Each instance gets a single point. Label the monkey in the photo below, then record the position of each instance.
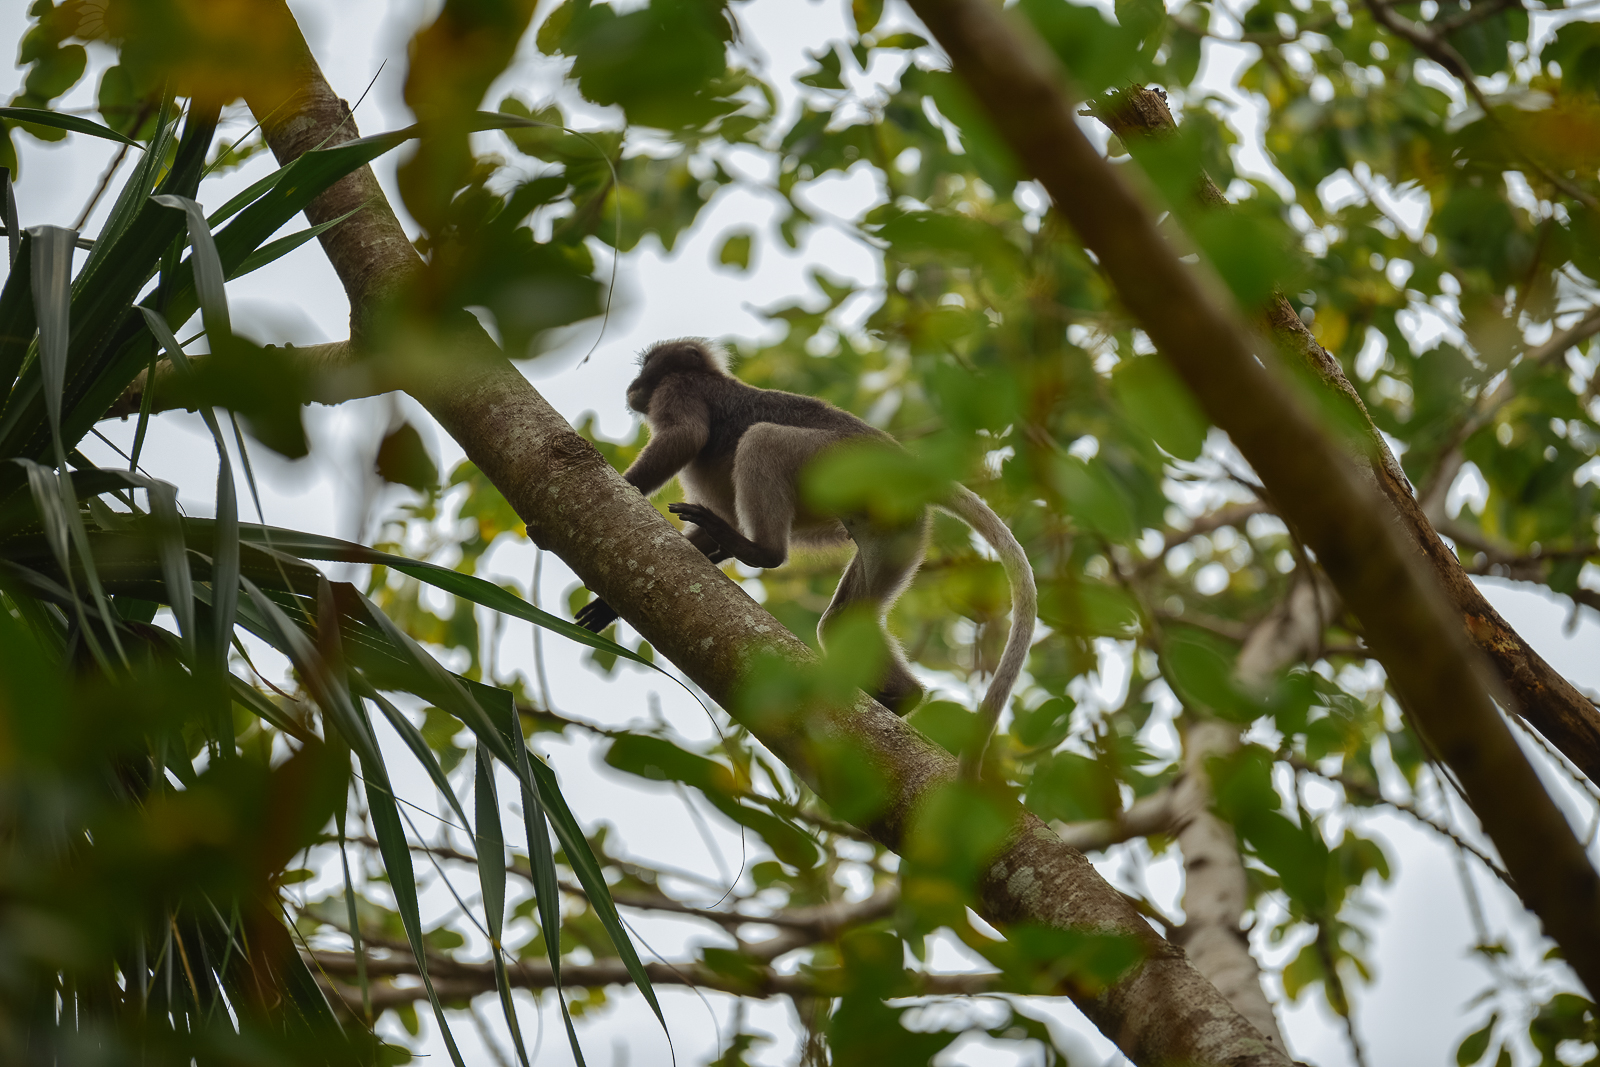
(739, 451)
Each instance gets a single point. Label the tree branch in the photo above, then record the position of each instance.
(1439, 681)
(1550, 703)
(456, 981)
(1451, 456)
(1442, 52)
(333, 368)
(1160, 1012)
(1232, 515)
(1215, 887)
(1145, 816)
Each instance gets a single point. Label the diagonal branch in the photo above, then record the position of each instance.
(1550, 703)
(1439, 680)
(333, 368)
(455, 980)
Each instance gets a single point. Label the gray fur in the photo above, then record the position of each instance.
(738, 452)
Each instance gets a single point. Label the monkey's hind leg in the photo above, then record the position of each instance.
(766, 476)
(885, 562)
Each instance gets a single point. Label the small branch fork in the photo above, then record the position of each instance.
(1431, 42)
(798, 928)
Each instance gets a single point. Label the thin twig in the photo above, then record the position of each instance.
(105, 183)
(1445, 54)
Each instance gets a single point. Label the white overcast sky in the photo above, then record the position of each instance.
(1413, 1014)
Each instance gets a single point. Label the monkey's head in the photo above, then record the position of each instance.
(686, 355)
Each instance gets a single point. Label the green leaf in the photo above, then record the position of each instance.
(1476, 1044)
(1098, 54)
(582, 860)
(51, 268)
(403, 459)
(276, 250)
(491, 850)
(331, 696)
(52, 304)
(8, 209)
(174, 561)
(1302, 972)
(352, 916)
(787, 841)
(659, 760)
(1046, 726)
(1157, 402)
(826, 76)
(1200, 668)
(208, 273)
(225, 543)
(417, 744)
(947, 724)
(135, 192)
(1577, 48)
(1093, 498)
(246, 694)
(1089, 609)
(387, 828)
(659, 63)
(1142, 18)
(909, 42)
(1249, 250)
(316, 546)
(101, 360)
(541, 858)
(17, 322)
(735, 251)
(866, 14)
(1072, 788)
(71, 123)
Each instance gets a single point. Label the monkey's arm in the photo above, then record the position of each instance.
(679, 428)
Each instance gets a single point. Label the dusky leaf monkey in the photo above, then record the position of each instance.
(739, 451)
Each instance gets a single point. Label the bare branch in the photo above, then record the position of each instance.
(457, 981)
(336, 373)
(1145, 816)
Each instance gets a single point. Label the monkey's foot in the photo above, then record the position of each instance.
(595, 616)
(733, 542)
(900, 695)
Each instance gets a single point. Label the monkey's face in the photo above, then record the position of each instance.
(686, 356)
(639, 396)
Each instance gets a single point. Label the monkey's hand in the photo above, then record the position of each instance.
(711, 525)
(729, 540)
(596, 615)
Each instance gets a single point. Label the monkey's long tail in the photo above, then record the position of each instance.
(970, 508)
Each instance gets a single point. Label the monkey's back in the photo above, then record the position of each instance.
(735, 407)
